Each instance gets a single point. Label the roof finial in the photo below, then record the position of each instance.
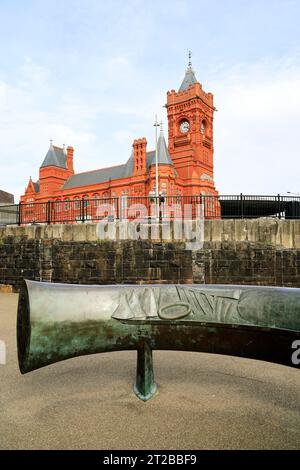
(51, 141)
(190, 59)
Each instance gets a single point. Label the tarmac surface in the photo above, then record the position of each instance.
(204, 401)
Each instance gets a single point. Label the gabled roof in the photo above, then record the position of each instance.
(95, 176)
(189, 79)
(120, 171)
(56, 156)
(103, 175)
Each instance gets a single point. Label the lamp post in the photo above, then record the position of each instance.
(156, 125)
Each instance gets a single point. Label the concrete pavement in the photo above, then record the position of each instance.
(204, 401)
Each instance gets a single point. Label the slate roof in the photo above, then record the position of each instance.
(163, 156)
(120, 171)
(189, 79)
(95, 176)
(6, 197)
(56, 156)
(36, 186)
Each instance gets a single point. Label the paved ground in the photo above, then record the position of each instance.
(204, 401)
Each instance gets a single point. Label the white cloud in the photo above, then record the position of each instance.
(122, 136)
(257, 128)
(118, 64)
(26, 125)
(256, 132)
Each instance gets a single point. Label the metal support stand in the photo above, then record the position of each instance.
(145, 386)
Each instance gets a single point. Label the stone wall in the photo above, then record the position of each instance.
(261, 251)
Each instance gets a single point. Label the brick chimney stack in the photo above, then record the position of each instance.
(70, 152)
(139, 156)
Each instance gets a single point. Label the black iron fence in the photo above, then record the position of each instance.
(147, 208)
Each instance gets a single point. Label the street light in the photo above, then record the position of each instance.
(156, 125)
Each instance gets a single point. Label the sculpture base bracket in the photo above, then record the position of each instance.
(145, 387)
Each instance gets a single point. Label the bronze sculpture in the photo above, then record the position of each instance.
(60, 321)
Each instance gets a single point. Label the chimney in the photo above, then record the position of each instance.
(139, 156)
(70, 152)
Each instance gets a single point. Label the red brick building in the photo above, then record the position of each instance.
(185, 165)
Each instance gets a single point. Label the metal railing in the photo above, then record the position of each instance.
(146, 208)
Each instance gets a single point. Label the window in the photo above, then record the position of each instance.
(124, 198)
(29, 202)
(66, 204)
(96, 200)
(105, 196)
(164, 188)
(203, 126)
(178, 195)
(77, 203)
(86, 201)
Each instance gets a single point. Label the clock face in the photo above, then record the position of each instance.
(184, 127)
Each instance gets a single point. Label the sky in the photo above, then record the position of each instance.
(93, 74)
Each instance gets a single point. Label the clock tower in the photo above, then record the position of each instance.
(190, 122)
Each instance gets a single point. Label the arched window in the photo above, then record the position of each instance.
(124, 198)
(114, 199)
(66, 204)
(86, 201)
(77, 202)
(96, 200)
(105, 196)
(203, 127)
(58, 204)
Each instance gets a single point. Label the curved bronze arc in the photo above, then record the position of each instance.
(60, 321)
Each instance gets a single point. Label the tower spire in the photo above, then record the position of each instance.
(161, 128)
(189, 78)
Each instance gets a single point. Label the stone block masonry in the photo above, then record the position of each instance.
(258, 251)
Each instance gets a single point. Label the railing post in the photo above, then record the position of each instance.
(116, 206)
(160, 215)
(48, 212)
(82, 210)
(279, 208)
(19, 214)
(242, 206)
